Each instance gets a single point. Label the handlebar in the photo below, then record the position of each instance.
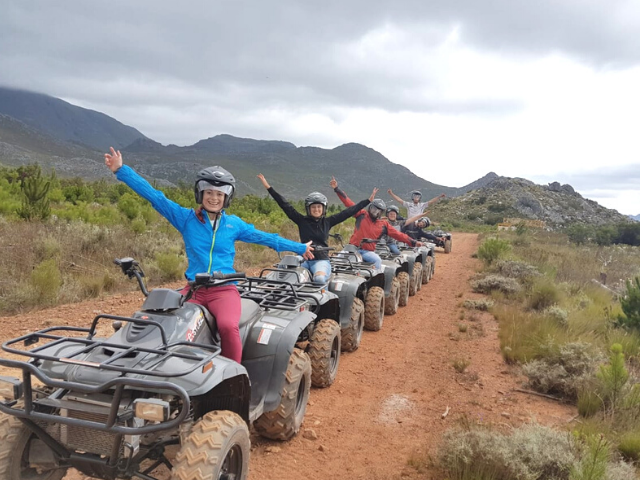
(215, 278)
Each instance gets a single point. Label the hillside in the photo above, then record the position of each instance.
(64, 121)
(555, 204)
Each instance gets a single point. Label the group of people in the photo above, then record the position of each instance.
(210, 228)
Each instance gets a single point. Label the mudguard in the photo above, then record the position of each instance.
(391, 269)
(266, 353)
(347, 288)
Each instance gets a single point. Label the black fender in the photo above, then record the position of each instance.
(391, 270)
(267, 349)
(347, 288)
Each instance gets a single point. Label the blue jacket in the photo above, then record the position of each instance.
(207, 251)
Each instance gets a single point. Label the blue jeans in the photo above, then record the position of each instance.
(393, 248)
(320, 270)
(371, 257)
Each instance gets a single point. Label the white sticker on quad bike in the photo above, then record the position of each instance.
(265, 335)
(337, 286)
(269, 325)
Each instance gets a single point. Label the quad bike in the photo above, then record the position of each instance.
(110, 406)
(446, 243)
(372, 287)
(425, 255)
(408, 273)
(324, 338)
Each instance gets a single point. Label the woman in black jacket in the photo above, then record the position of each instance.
(314, 226)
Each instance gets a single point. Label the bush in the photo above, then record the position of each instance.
(492, 249)
(543, 295)
(564, 371)
(47, 280)
(496, 282)
(558, 314)
(482, 304)
(170, 266)
(530, 452)
(629, 446)
(516, 269)
(630, 304)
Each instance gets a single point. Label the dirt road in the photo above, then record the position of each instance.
(386, 405)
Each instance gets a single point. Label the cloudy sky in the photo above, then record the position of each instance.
(546, 90)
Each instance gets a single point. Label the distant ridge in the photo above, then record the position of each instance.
(66, 122)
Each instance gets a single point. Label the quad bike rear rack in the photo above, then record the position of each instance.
(279, 294)
(342, 264)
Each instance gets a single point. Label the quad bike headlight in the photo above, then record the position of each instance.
(10, 388)
(152, 409)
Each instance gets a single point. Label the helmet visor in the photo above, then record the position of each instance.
(221, 187)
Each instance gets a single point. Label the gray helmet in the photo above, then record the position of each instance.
(216, 178)
(426, 221)
(378, 204)
(416, 192)
(393, 208)
(315, 197)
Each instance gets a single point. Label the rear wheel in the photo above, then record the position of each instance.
(217, 447)
(447, 245)
(285, 421)
(392, 301)
(374, 309)
(352, 335)
(16, 441)
(404, 279)
(416, 279)
(324, 352)
(427, 270)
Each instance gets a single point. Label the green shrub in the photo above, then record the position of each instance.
(630, 304)
(138, 226)
(543, 295)
(558, 314)
(629, 446)
(129, 205)
(613, 377)
(492, 249)
(47, 280)
(589, 402)
(495, 282)
(594, 461)
(170, 266)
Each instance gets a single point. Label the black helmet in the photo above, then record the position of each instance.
(393, 208)
(219, 179)
(416, 193)
(378, 204)
(315, 197)
(426, 221)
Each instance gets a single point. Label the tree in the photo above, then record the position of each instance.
(35, 200)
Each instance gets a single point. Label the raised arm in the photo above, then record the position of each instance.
(401, 237)
(176, 214)
(395, 197)
(435, 199)
(286, 207)
(347, 212)
(409, 221)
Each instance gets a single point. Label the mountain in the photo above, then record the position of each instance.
(66, 122)
(635, 217)
(555, 204)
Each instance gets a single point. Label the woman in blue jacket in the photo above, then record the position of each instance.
(209, 235)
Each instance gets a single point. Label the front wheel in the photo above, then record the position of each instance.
(352, 335)
(217, 447)
(324, 352)
(392, 301)
(15, 444)
(285, 421)
(447, 245)
(374, 309)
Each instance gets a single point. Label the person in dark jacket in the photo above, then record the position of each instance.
(414, 228)
(314, 226)
(209, 236)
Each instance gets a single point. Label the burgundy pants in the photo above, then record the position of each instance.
(224, 304)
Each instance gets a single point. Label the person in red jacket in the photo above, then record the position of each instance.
(369, 224)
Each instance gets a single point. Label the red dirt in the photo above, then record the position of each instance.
(386, 405)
